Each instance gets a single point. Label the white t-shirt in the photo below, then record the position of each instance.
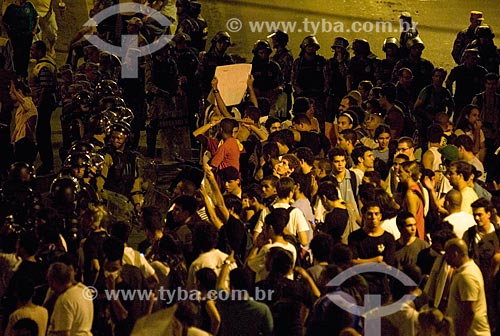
(390, 226)
(296, 224)
(134, 258)
(37, 313)
(468, 197)
(73, 312)
(460, 221)
(258, 264)
(213, 259)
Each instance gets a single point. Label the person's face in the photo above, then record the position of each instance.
(232, 186)
(275, 127)
(473, 116)
(344, 105)
(267, 189)
(263, 55)
(344, 123)
(451, 256)
(368, 159)
(372, 121)
(78, 173)
(338, 164)
(438, 78)
(235, 132)
(179, 215)
(406, 79)
(118, 139)
(373, 216)
(275, 42)
(311, 49)
(310, 112)
(34, 52)
(342, 142)
(383, 140)
(491, 86)
(391, 50)
(452, 175)
(221, 46)
(282, 168)
(470, 60)
(481, 216)
(403, 175)
(404, 148)
(245, 203)
(410, 228)
(416, 51)
(316, 171)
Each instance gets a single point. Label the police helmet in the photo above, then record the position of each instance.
(340, 42)
(308, 40)
(110, 101)
(390, 41)
(99, 123)
(96, 162)
(77, 160)
(416, 41)
(107, 87)
(64, 189)
(81, 147)
(222, 36)
(121, 127)
(280, 36)
(484, 31)
(120, 113)
(195, 7)
(83, 98)
(361, 46)
(261, 45)
(16, 171)
(181, 37)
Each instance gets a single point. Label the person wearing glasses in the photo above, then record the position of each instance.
(406, 147)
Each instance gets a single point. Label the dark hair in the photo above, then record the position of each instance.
(29, 242)
(233, 202)
(464, 141)
(306, 154)
(382, 128)
(304, 181)
(325, 165)
(366, 192)
(442, 236)
(366, 85)
(463, 168)
(435, 133)
(120, 230)
(41, 46)
(402, 217)
(24, 288)
(264, 106)
(239, 278)
(483, 203)
(301, 105)
(293, 161)
(281, 261)
(352, 116)
(205, 236)
(152, 219)
(253, 191)
(301, 119)
(270, 121)
(376, 92)
(253, 113)
(273, 179)
(463, 120)
(329, 190)
(113, 249)
(284, 137)
(439, 69)
(491, 76)
(371, 204)
(359, 152)
(350, 135)
(22, 86)
(389, 92)
(285, 187)
(207, 278)
(270, 149)
(321, 246)
(352, 100)
(342, 255)
(227, 125)
(386, 203)
(278, 219)
(187, 203)
(337, 151)
(26, 324)
(374, 177)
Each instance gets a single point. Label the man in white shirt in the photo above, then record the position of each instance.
(458, 174)
(460, 220)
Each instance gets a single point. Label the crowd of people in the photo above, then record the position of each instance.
(325, 164)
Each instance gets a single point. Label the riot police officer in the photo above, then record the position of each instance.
(308, 78)
(283, 56)
(214, 57)
(384, 68)
(120, 173)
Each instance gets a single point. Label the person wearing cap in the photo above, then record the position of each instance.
(468, 78)
(284, 57)
(308, 77)
(268, 78)
(211, 59)
(336, 76)
(466, 36)
(384, 68)
(120, 173)
(488, 52)
(192, 23)
(419, 66)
